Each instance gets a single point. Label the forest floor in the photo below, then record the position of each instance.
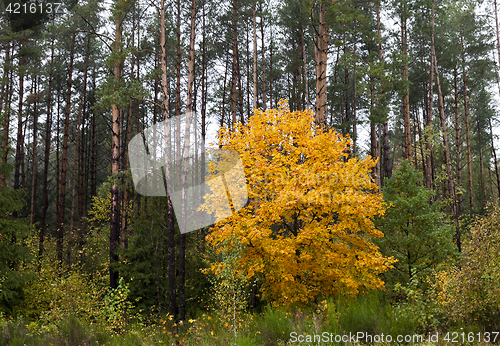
(365, 321)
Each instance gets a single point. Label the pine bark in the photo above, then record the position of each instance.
(76, 162)
(33, 160)
(385, 132)
(406, 92)
(304, 59)
(458, 147)
(20, 137)
(64, 167)
(321, 58)
(495, 158)
(254, 23)
(466, 117)
(448, 163)
(187, 135)
(45, 190)
(263, 51)
(172, 301)
(234, 66)
(428, 125)
(498, 83)
(5, 95)
(114, 235)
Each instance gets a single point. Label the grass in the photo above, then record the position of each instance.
(275, 326)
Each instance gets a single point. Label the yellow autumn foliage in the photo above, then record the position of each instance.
(307, 228)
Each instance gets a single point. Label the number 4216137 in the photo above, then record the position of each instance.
(48, 7)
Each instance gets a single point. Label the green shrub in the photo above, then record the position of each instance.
(417, 312)
(117, 310)
(51, 298)
(470, 292)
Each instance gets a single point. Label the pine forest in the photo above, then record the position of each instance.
(249, 172)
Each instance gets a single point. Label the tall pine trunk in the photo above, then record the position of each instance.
(172, 306)
(114, 234)
(387, 169)
(234, 66)
(466, 116)
(458, 143)
(5, 95)
(254, 23)
(187, 135)
(428, 125)
(45, 190)
(263, 50)
(20, 137)
(406, 92)
(64, 167)
(442, 116)
(321, 58)
(76, 162)
(33, 152)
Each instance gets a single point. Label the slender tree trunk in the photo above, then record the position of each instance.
(125, 199)
(493, 197)
(448, 161)
(304, 59)
(420, 137)
(346, 128)
(172, 306)
(93, 144)
(20, 139)
(428, 125)
(321, 59)
(64, 168)
(380, 103)
(81, 165)
(33, 167)
(498, 83)
(78, 133)
(373, 135)
(466, 116)
(406, 94)
(240, 89)
(223, 113)
(458, 145)
(114, 235)
(354, 126)
(495, 158)
(270, 68)
(254, 22)
(414, 146)
(58, 158)
(262, 37)
(482, 185)
(496, 30)
(385, 132)
(187, 135)
(6, 95)
(45, 190)
(373, 132)
(203, 103)
(234, 66)
(446, 144)
(247, 92)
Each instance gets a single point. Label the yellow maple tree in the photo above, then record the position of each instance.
(306, 230)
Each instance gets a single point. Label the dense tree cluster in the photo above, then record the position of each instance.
(407, 80)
